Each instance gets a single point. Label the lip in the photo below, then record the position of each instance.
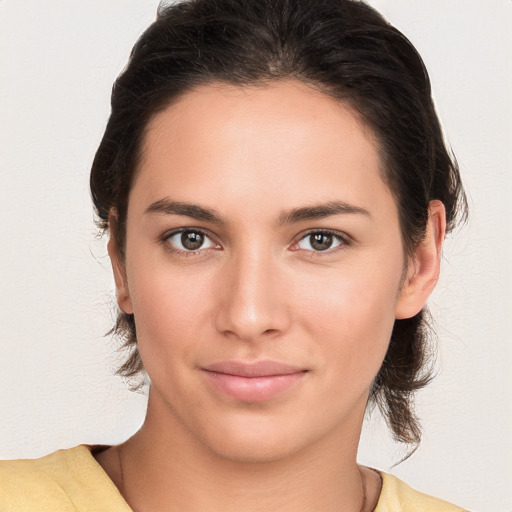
(253, 382)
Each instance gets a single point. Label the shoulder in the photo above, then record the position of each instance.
(66, 480)
(397, 496)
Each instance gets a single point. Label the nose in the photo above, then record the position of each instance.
(252, 302)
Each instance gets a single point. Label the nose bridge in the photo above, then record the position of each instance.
(251, 304)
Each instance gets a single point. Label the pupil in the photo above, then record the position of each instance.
(192, 240)
(321, 241)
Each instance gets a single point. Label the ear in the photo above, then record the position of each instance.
(118, 268)
(423, 266)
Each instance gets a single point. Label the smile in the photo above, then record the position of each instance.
(254, 382)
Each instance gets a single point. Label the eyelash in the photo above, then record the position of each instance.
(167, 237)
(342, 238)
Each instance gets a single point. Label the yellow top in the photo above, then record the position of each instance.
(72, 481)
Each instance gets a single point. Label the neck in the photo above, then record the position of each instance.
(164, 468)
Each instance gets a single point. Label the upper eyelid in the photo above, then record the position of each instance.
(164, 238)
(345, 242)
(341, 234)
(173, 247)
(175, 231)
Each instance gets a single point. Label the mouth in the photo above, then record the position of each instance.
(253, 382)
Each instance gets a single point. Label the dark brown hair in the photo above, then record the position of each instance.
(343, 48)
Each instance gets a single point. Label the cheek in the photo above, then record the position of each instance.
(352, 318)
(170, 311)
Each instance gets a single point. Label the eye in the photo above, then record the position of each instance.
(190, 240)
(320, 241)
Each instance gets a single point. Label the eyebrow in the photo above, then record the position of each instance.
(315, 212)
(320, 211)
(194, 211)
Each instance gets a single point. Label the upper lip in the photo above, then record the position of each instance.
(253, 369)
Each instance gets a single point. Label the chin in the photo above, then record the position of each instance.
(254, 448)
(254, 438)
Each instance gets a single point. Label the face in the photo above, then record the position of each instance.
(263, 265)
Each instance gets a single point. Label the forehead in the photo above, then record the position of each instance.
(237, 141)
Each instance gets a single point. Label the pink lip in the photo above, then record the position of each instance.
(253, 382)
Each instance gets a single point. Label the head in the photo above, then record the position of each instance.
(341, 49)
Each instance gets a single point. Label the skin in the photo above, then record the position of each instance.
(258, 290)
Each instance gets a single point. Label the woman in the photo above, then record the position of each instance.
(276, 190)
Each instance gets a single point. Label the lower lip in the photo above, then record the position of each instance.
(253, 389)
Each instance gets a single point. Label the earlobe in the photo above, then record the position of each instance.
(424, 265)
(119, 269)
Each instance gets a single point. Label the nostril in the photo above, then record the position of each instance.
(271, 331)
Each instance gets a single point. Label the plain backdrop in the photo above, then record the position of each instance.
(58, 60)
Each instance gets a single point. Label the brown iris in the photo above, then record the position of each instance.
(321, 241)
(192, 240)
